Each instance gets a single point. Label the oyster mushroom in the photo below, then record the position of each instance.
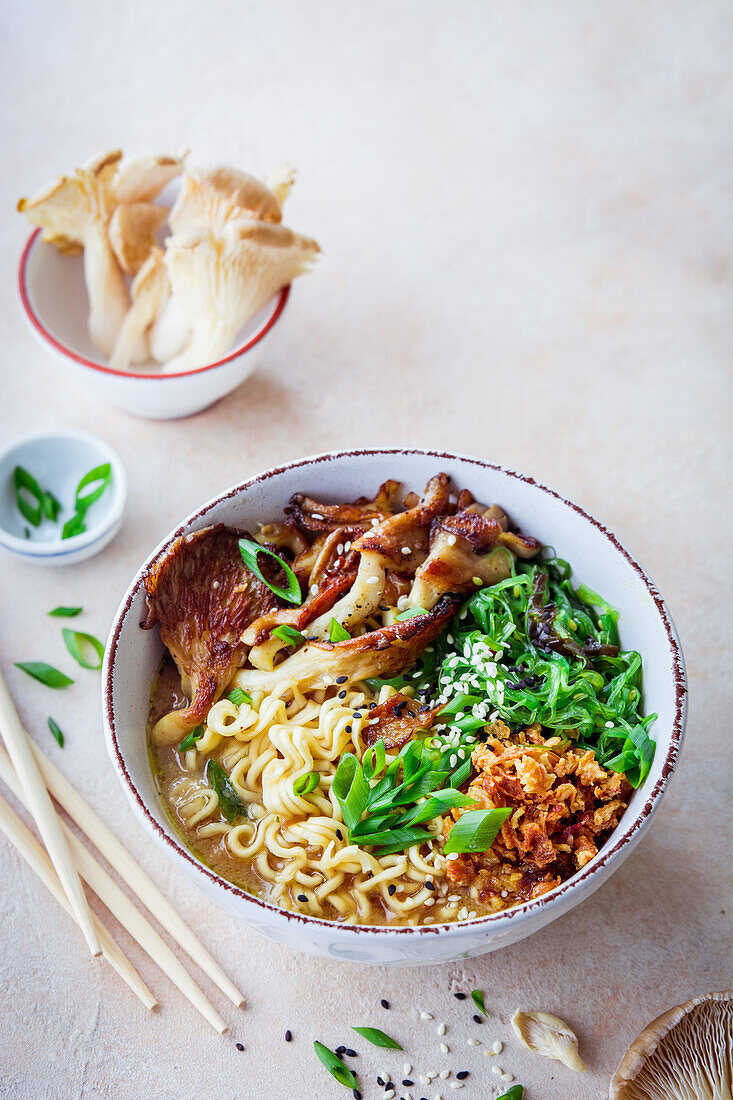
(132, 230)
(150, 290)
(73, 213)
(209, 197)
(222, 278)
(685, 1054)
(550, 1036)
(203, 596)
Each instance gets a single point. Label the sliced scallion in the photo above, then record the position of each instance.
(191, 738)
(81, 647)
(289, 635)
(66, 612)
(409, 614)
(47, 674)
(74, 526)
(306, 784)
(51, 506)
(230, 803)
(250, 551)
(475, 831)
(377, 1038)
(29, 496)
(238, 696)
(478, 999)
(56, 731)
(335, 1066)
(99, 478)
(337, 632)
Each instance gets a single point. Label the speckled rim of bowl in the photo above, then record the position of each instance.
(149, 376)
(607, 854)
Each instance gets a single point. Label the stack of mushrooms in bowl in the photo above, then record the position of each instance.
(139, 308)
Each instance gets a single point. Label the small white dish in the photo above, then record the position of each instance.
(58, 461)
(132, 656)
(54, 300)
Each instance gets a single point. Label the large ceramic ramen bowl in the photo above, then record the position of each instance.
(598, 560)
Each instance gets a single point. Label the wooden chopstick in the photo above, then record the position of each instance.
(46, 818)
(37, 859)
(126, 867)
(129, 917)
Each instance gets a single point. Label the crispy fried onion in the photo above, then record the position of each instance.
(564, 804)
(382, 653)
(202, 596)
(397, 720)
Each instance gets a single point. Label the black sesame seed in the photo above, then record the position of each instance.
(462, 1075)
(356, 1094)
(342, 695)
(380, 1081)
(341, 679)
(341, 1050)
(356, 714)
(372, 706)
(460, 996)
(429, 885)
(339, 834)
(407, 1082)
(288, 1036)
(383, 1003)
(348, 729)
(477, 1019)
(240, 1046)
(302, 897)
(391, 889)
(350, 1053)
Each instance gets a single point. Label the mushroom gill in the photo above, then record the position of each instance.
(685, 1054)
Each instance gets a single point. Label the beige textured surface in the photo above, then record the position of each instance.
(525, 218)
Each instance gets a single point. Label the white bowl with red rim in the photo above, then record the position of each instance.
(54, 300)
(598, 560)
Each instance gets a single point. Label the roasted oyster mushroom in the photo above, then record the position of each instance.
(384, 653)
(397, 720)
(203, 597)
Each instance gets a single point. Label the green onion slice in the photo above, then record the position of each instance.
(516, 1092)
(99, 478)
(337, 632)
(51, 506)
(409, 614)
(29, 495)
(288, 634)
(351, 788)
(377, 1038)
(56, 731)
(478, 999)
(66, 612)
(81, 647)
(306, 784)
(475, 830)
(237, 696)
(230, 803)
(74, 526)
(335, 1066)
(190, 739)
(47, 674)
(250, 551)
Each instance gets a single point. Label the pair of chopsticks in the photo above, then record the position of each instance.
(31, 776)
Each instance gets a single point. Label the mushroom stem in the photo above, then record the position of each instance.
(108, 297)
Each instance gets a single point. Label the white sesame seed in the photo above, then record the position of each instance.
(453, 760)
(388, 1094)
(445, 1048)
(451, 540)
(440, 1029)
(215, 584)
(445, 1074)
(424, 1079)
(609, 725)
(507, 1077)
(340, 549)
(425, 1016)
(347, 547)
(457, 1085)
(438, 1097)
(407, 1068)
(497, 1070)
(429, 901)
(375, 522)
(314, 589)
(316, 515)
(373, 580)
(406, 550)
(497, 1047)
(473, 1042)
